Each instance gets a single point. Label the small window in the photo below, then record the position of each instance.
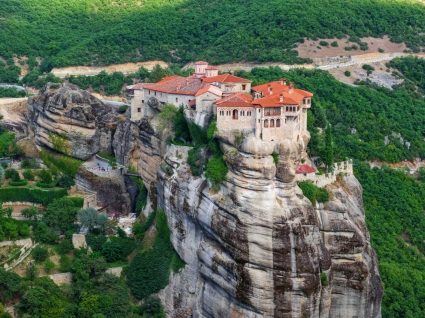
(177, 99)
(143, 101)
(271, 122)
(243, 87)
(278, 122)
(259, 110)
(266, 123)
(139, 110)
(259, 121)
(155, 93)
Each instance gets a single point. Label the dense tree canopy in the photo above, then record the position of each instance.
(107, 31)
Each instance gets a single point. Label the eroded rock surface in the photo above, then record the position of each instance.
(71, 121)
(259, 248)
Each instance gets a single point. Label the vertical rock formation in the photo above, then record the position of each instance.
(71, 121)
(257, 247)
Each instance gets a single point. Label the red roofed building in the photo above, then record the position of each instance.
(275, 111)
(305, 169)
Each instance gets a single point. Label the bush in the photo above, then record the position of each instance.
(45, 176)
(29, 163)
(324, 279)
(10, 285)
(216, 171)
(30, 195)
(334, 44)
(347, 73)
(314, 193)
(196, 160)
(368, 68)
(152, 307)
(28, 175)
(12, 174)
(66, 165)
(149, 271)
(117, 249)
(65, 181)
(19, 183)
(30, 213)
(122, 109)
(44, 234)
(64, 247)
(49, 266)
(40, 254)
(323, 43)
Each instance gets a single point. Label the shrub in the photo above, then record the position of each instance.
(122, 109)
(314, 193)
(45, 176)
(334, 44)
(324, 279)
(65, 246)
(65, 264)
(12, 174)
(29, 163)
(18, 183)
(43, 234)
(10, 285)
(275, 156)
(347, 73)
(30, 213)
(323, 43)
(117, 248)
(30, 195)
(91, 219)
(216, 171)
(65, 181)
(96, 241)
(368, 68)
(152, 307)
(40, 254)
(149, 271)
(28, 175)
(196, 160)
(49, 266)
(66, 165)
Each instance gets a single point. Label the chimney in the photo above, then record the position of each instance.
(281, 98)
(291, 87)
(270, 89)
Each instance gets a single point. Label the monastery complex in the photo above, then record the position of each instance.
(271, 112)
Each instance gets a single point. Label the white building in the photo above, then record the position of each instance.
(274, 111)
(197, 92)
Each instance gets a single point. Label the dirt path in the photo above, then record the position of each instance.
(126, 68)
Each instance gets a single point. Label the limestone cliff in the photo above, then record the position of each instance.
(257, 247)
(71, 121)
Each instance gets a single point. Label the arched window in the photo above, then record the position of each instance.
(266, 123)
(235, 114)
(272, 123)
(278, 122)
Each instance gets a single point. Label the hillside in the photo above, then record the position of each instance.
(95, 32)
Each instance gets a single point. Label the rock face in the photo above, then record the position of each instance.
(71, 121)
(259, 248)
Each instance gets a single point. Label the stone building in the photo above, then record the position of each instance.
(274, 111)
(197, 92)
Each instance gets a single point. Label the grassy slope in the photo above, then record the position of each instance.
(106, 31)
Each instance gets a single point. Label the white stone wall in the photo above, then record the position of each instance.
(137, 105)
(228, 88)
(204, 102)
(344, 167)
(165, 98)
(245, 121)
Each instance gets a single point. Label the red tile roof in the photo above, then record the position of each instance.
(274, 101)
(201, 63)
(211, 67)
(225, 78)
(177, 85)
(236, 100)
(137, 86)
(293, 96)
(305, 169)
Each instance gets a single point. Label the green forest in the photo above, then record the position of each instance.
(92, 32)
